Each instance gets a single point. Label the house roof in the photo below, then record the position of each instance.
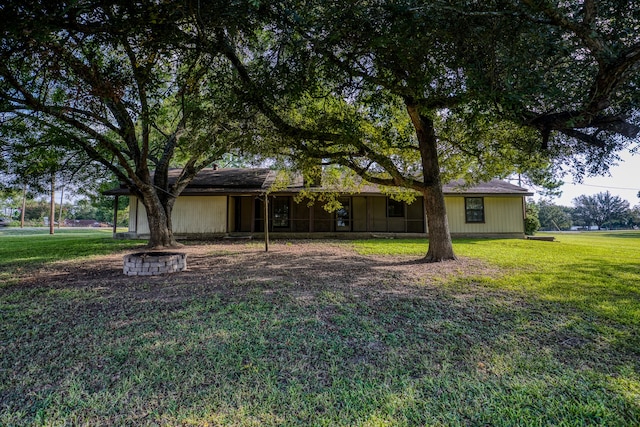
(258, 180)
(495, 186)
(217, 181)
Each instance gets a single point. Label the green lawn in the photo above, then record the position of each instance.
(546, 333)
(598, 272)
(26, 249)
(35, 246)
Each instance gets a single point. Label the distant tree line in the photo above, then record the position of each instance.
(602, 210)
(91, 205)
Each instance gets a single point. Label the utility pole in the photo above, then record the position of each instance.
(266, 222)
(52, 205)
(24, 204)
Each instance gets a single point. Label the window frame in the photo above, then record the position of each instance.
(346, 206)
(469, 213)
(274, 202)
(398, 203)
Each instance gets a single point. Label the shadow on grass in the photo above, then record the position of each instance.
(605, 289)
(623, 234)
(313, 338)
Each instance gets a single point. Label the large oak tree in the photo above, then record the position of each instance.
(121, 81)
(336, 78)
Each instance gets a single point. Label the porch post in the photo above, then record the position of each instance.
(24, 204)
(52, 204)
(266, 223)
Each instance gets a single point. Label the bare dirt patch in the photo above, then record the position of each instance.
(301, 266)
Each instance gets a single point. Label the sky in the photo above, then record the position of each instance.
(624, 182)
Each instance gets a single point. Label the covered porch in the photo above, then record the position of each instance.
(358, 214)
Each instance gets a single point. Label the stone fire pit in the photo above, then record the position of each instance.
(154, 263)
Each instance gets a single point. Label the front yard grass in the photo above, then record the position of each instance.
(34, 247)
(22, 250)
(542, 333)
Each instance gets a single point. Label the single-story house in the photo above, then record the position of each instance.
(231, 202)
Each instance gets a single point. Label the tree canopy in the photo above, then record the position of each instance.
(600, 209)
(392, 89)
(121, 82)
(404, 93)
(554, 217)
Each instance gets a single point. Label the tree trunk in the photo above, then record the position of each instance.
(440, 245)
(159, 219)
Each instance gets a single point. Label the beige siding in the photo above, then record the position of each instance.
(138, 217)
(192, 214)
(208, 215)
(501, 215)
(133, 211)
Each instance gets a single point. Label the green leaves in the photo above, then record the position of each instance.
(600, 209)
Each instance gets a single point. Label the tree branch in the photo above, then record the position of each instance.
(31, 103)
(259, 102)
(107, 93)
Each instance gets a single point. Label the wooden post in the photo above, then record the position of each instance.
(266, 223)
(24, 205)
(52, 204)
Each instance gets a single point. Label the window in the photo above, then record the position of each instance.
(280, 206)
(474, 209)
(395, 208)
(343, 215)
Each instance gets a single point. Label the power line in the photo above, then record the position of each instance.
(608, 187)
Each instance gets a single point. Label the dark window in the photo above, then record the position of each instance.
(343, 215)
(474, 209)
(280, 206)
(395, 209)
